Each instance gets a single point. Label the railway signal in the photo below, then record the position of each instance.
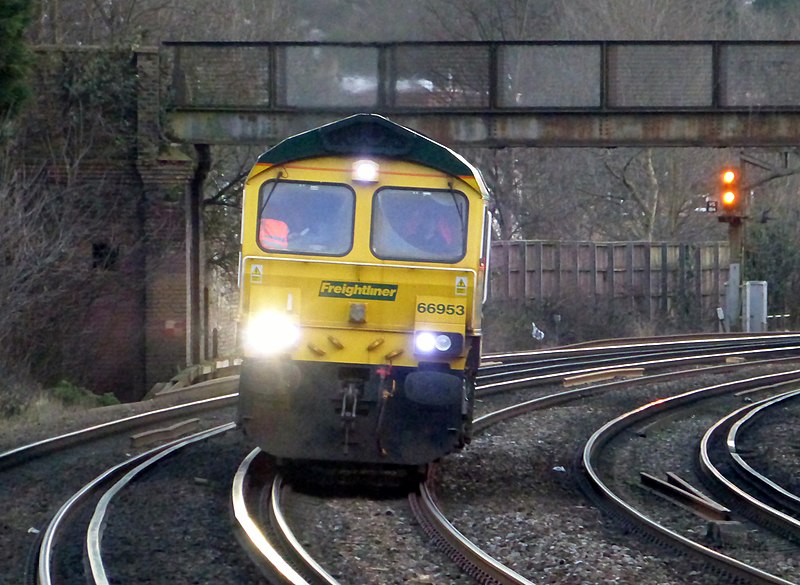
(731, 210)
(731, 202)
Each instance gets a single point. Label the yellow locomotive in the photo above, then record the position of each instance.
(362, 274)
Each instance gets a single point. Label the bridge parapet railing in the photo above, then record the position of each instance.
(565, 76)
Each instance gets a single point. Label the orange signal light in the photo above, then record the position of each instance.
(731, 208)
(728, 198)
(728, 177)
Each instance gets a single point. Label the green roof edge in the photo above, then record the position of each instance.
(383, 138)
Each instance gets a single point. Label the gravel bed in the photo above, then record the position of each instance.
(176, 518)
(530, 515)
(369, 541)
(31, 495)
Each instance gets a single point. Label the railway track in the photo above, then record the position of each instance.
(271, 545)
(609, 487)
(468, 555)
(521, 401)
(471, 558)
(760, 460)
(274, 547)
(42, 477)
(504, 372)
(19, 455)
(103, 489)
(757, 497)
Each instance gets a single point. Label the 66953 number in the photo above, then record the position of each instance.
(440, 309)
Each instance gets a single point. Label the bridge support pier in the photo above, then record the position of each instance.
(194, 255)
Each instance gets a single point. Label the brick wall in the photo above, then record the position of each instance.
(165, 173)
(130, 331)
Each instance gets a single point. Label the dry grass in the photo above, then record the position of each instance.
(29, 412)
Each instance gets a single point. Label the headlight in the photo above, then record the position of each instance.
(434, 343)
(425, 342)
(270, 333)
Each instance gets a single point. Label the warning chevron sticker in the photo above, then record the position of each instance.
(461, 286)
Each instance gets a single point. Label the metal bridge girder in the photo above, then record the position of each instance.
(493, 129)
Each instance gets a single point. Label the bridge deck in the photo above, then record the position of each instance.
(491, 93)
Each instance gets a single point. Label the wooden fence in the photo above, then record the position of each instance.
(651, 278)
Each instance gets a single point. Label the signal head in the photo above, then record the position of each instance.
(730, 197)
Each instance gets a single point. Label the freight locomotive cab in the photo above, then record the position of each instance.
(362, 275)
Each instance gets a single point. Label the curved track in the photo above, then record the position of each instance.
(614, 501)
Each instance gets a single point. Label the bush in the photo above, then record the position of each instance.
(71, 395)
(15, 16)
(773, 255)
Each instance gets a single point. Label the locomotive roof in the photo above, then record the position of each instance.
(369, 135)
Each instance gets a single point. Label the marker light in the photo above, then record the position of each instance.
(442, 342)
(270, 333)
(366, 171)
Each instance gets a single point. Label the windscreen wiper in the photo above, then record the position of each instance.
(271, 191)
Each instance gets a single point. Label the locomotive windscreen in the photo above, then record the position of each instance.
(409, 224)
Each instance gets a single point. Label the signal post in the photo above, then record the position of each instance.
(732, 211)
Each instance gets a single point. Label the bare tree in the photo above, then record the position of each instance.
(148, 22)
(506, 20)
(501, 175)
(651, 194)
(48, 260)
(644, 19)
(223, 207)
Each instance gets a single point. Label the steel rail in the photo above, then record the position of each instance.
(261, 549)
(94, 535)
(633, 344)
(52, 532)
(614, 427)
(487, 420)
(443, 527)
(520, 382)
(766, 512)
(616, 357)
(777, 492)
(460, 549)
(24, 453)
(287, 536)
(17, 455)
(481, 566)
(678, 337)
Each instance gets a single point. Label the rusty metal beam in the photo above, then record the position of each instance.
(509, 129)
